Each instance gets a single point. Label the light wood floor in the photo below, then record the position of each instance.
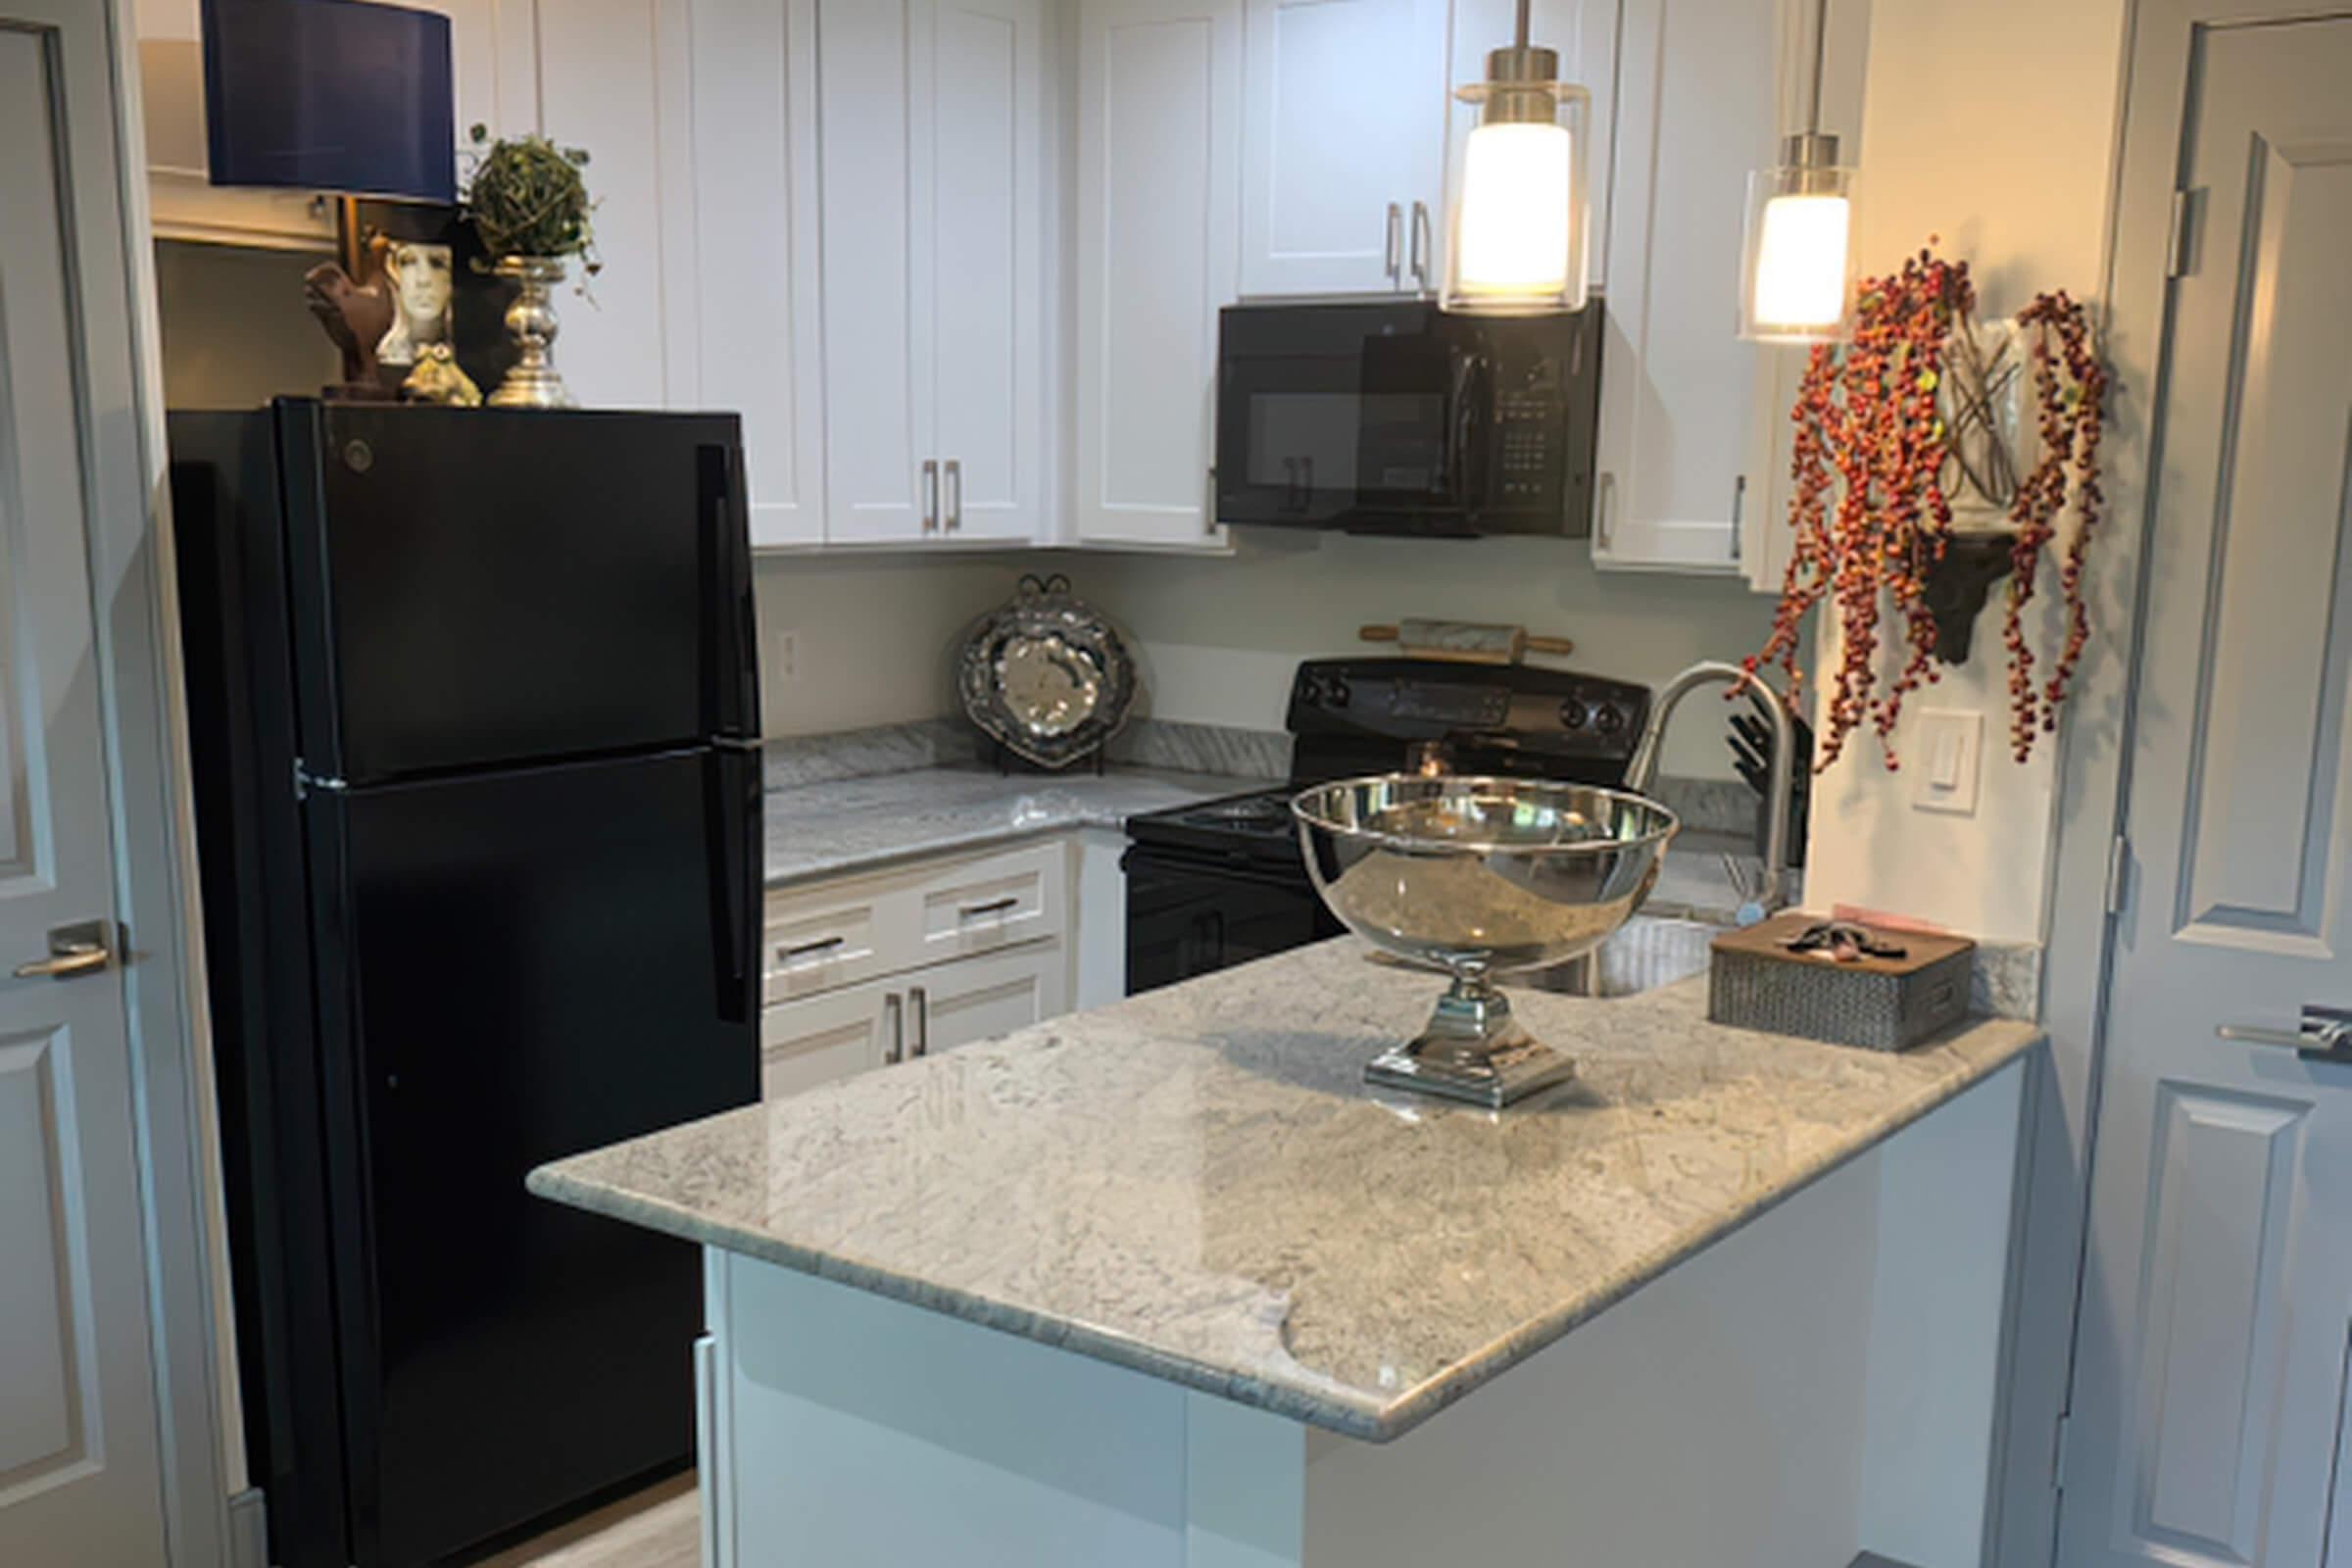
(660, 1527)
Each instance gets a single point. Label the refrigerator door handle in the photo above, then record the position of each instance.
(734, 818)
(731, 667)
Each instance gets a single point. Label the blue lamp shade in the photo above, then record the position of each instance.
(332, 95)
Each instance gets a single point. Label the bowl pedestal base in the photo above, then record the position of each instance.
(1473, 1051)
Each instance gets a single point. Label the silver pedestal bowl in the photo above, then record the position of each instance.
(1476, 877)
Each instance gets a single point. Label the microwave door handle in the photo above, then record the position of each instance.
(1470, 433)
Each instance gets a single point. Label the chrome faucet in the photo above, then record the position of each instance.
(1641, 773)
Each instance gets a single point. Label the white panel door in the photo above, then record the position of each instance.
(971, 999)
(1159, 111)
(989, 336)
(1697, 109)
(615, 78)
(1343, 146)
(756, 253)
(79, 1474)
(2217, 1309)
(875, 126)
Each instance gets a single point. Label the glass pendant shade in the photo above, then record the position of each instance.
(1796, 271)
(1517, 228)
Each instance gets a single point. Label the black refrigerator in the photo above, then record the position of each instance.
(474, 710)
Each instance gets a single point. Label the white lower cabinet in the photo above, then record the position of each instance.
(869, 971)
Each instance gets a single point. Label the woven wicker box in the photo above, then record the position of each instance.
(1876, 1003)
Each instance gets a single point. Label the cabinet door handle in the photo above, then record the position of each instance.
(930, 494)
(918, 1000)
(972, 912)
(1604, 509)
(954, 494)
(894, 1047)
(1391, 259)
(1422, 246)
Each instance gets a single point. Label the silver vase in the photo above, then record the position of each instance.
(533, 382)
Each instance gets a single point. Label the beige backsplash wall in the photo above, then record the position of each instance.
(1218, 636)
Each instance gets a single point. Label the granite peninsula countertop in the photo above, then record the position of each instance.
(855, 824)
(1196, 1182)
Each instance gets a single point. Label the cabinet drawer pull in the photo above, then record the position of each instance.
(954, 494)
(801, 949)
(920, 1001)
(894, 1051)
(971, 911)
(930, 494)
(1391, 262)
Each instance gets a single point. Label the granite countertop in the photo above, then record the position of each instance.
(855, 825)
(1196, 1183)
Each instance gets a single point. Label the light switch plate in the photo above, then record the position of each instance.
(1947, 759)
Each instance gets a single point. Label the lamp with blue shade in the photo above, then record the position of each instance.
(343, 96)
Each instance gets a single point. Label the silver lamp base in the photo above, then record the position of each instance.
(1472, 1050)
(533, 382)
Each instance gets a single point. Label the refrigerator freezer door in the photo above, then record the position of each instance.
(518, 966)
(476, 586)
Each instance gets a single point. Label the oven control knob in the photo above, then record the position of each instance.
(1609, 718)
(1335, 691)
(1572, 714)
(1309, 693)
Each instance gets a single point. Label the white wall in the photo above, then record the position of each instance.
(1218, 637)
(2004, 149)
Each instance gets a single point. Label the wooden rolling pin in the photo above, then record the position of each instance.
(1469, 642)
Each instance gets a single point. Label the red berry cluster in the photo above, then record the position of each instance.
(1868, 429)
(2070, 390)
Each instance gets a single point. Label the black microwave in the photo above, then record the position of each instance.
(1397, 417)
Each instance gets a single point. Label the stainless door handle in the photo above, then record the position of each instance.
(1421, 246)
(2325, 1035)
(921, 1004)
(930, 494)
(954, 494)
(1390, 261)
(74, 950)
(992, 906)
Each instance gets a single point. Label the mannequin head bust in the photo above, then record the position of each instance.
(419, 275)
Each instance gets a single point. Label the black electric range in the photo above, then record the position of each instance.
(1224, 881)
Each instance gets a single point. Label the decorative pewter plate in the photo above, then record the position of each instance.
(1045, 676)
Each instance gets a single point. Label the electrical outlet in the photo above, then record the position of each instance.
(784, 659)
(1947, 760)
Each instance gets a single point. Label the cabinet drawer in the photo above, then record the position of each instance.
(982, 905)
(826, 937)
(834, 934)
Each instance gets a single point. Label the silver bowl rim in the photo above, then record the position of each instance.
(1670, 826)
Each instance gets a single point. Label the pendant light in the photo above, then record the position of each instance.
(1517, 233)
(1797, 266)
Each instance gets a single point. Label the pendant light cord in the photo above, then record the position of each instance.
(1525, 5)
(1821, 57)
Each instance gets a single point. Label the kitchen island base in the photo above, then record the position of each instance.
(1817, 1385)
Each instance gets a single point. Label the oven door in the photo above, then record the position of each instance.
(1345, 416)
(1188, 916)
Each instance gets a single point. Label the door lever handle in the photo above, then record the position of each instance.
(2325, 1035)
(74, 950)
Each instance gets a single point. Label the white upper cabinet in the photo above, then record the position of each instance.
(988, 317)
(615, 78)
(1694, 425)
(932, 157)
(1158, 209)
(755, 253)
(1679, 388)
(1584, 33)
(1344, 146)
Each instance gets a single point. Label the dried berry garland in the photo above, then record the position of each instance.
(1868, 429)
(1871, 515)
(2070, 391)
